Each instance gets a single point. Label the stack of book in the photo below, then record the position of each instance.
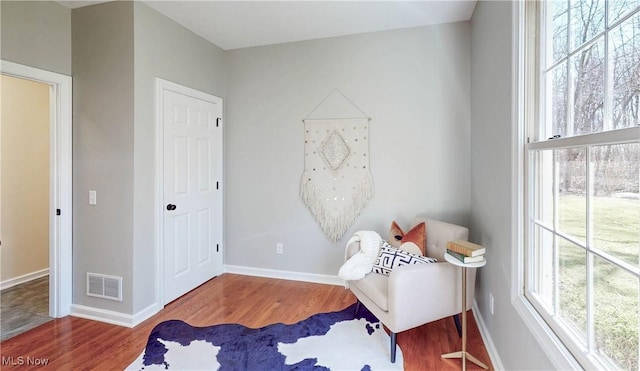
(465, 251)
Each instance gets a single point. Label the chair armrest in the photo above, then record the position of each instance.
(424, 293)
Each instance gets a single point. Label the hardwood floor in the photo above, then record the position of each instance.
(71, 343)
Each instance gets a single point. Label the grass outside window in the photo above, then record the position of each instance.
(616, 291)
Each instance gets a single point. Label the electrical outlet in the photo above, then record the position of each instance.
(279, 248)
(491, 303)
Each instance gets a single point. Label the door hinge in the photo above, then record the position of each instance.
(57, 211)
(217, 185)
(218, 121)
(217, 247)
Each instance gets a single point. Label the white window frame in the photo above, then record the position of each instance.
(561, 356)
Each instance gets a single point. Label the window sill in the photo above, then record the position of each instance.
(558, 354)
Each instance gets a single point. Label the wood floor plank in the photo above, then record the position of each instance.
(72, 343)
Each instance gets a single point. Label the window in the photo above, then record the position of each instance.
(582, 161)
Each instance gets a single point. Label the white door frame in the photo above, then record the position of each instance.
(60, 186)
(161, 86)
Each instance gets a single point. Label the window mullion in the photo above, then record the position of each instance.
(556, 252)
(536, 131)
(570, 99)
(608, 88)
(589, 239)
(570, 93)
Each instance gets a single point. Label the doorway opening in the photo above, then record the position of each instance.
(24, 205)
(53, 205)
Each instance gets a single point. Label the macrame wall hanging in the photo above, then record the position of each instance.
(336, 184)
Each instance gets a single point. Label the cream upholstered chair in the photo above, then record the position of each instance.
(413, 295)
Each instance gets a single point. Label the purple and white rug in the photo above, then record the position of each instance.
(326, 341)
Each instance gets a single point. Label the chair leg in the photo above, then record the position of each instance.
(456, 319)
(393, 347)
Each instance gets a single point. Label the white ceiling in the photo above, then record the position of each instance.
(241, 24)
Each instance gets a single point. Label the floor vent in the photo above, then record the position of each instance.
(106, 287)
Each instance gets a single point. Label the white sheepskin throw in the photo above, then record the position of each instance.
(361, 262)
(336, 184)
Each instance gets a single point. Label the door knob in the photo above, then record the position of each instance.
(171, 207)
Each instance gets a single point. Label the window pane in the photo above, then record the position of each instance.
(556, 93)
(572, 189)
(616, 314)
(624, 59)
(583, 201)
(558, 34)
(587, 20)
(542, 163)
(618, 8)
(544, 271)
(573, 286)
(587, 69)
(616, 207)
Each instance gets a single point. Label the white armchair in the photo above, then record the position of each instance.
(413, 295)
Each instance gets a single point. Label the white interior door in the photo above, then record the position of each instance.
(192, 196)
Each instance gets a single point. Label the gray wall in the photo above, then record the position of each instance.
(169, 51)
(491, 176)
(36, 34)
(103, 148)
(119, 49)
(413, 83)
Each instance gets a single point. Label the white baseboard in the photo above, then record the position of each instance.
(285, 275)
(102, 315)
(486, 338)
(23, 279)
(112, 317)
(146, 313)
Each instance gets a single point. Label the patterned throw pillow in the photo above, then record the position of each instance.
(390, 257)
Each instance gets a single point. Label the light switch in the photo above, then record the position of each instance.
(92, 197)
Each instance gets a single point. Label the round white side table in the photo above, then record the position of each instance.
(463, 354)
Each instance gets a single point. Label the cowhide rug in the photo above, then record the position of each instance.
(327, 341)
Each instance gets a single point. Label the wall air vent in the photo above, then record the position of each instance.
(103, 286)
